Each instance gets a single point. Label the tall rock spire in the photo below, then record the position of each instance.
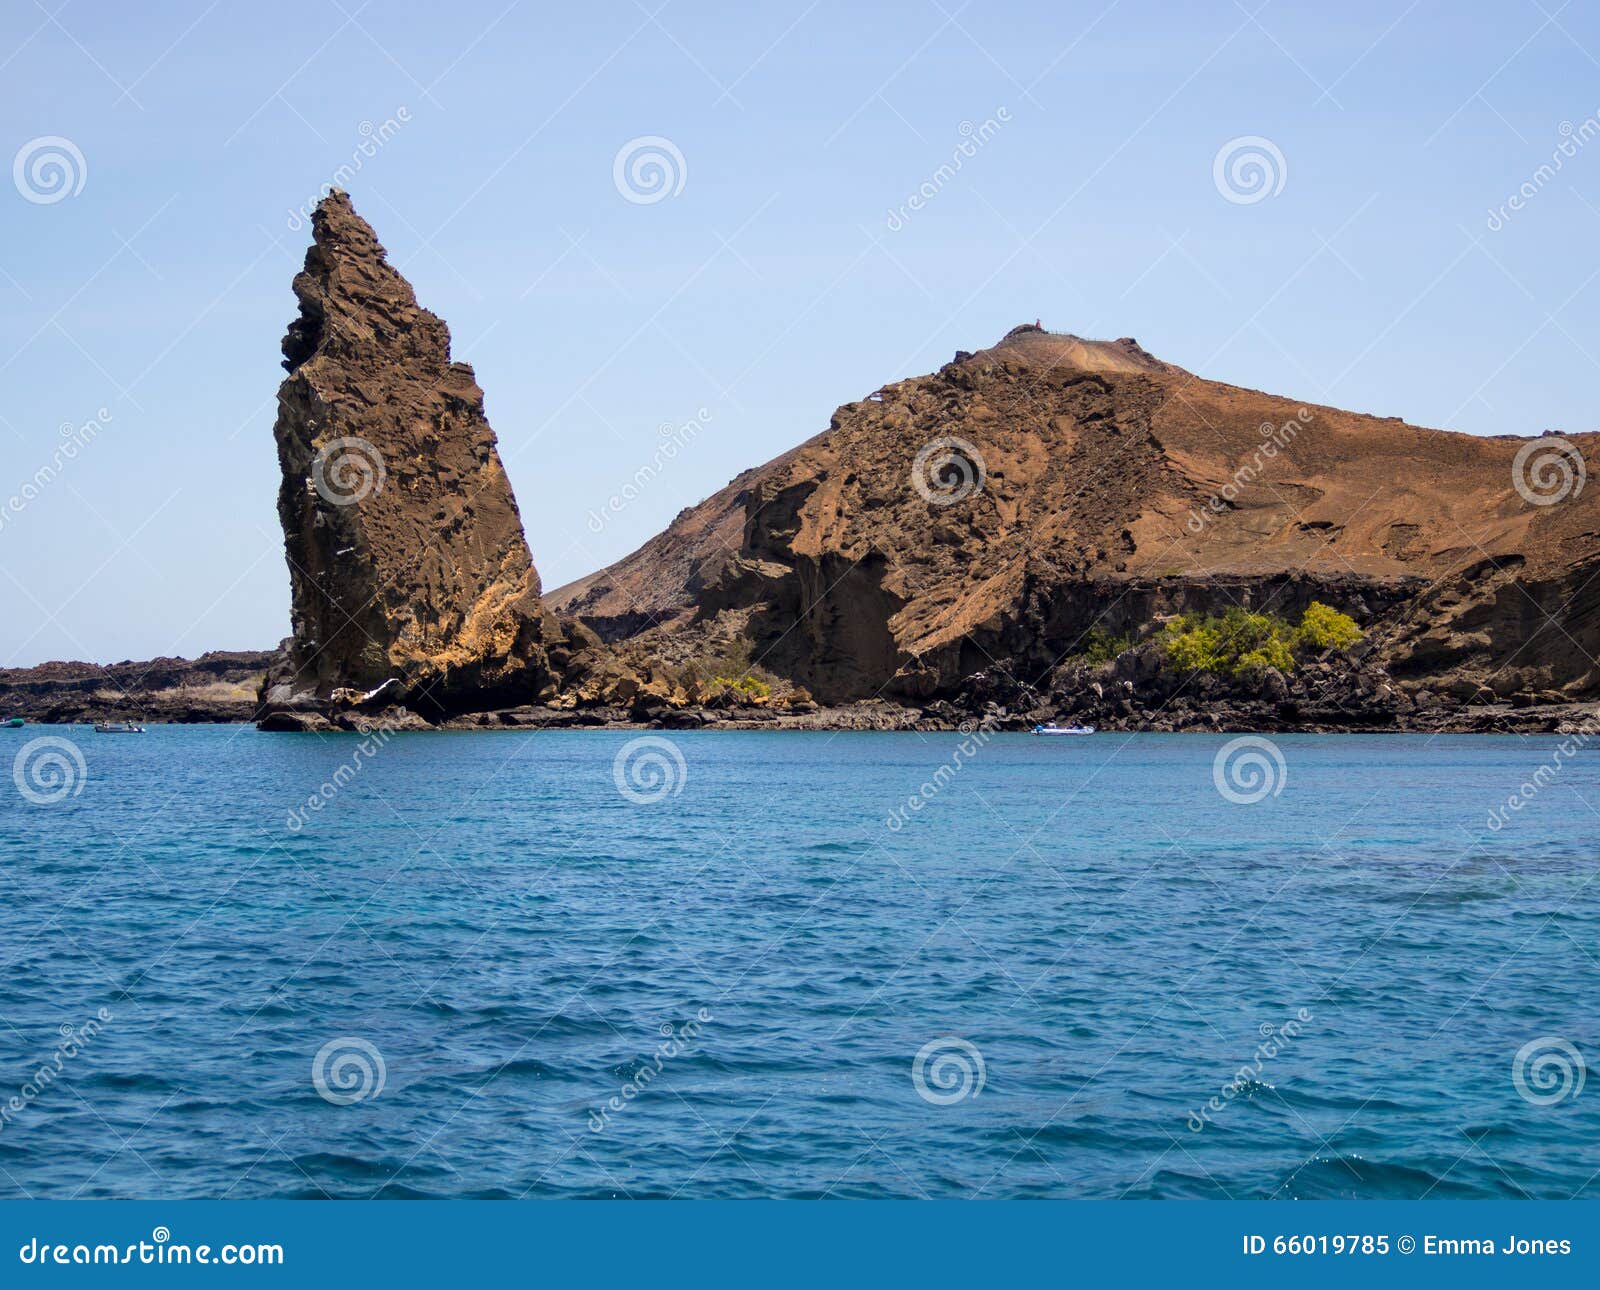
(407, 559)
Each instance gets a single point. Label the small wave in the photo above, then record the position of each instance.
(129, 1082)
(1355, 1177)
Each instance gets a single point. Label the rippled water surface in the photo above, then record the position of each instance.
(724, 992)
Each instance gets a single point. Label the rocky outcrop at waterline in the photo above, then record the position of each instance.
(222, 686)
(411, 580)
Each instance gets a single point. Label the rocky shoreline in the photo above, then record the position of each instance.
(218, 686)
(219, 689)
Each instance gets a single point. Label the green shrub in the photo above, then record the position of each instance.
(1240, 642)
(728, 667)
(1324, 627)
(750, 684)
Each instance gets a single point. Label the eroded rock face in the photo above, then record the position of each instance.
(970, 527)
(406, 553)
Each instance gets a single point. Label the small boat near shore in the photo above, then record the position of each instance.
(15, 723)
(117, 728)
(1050, 728)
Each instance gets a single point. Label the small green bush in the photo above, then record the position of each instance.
(1324, 627)
(750, 684)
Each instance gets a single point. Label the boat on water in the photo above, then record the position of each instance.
(1050, 728)
(117, 728)
(15, 723)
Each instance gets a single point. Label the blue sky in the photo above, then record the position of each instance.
(1380, 269)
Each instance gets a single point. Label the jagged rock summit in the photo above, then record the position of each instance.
(409, 570)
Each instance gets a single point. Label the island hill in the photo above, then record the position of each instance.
(1049, 528)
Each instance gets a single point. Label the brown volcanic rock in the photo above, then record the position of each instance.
(406, 553)
(1114, 489)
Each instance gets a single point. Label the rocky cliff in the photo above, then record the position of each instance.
(971, 537)
(410, 574)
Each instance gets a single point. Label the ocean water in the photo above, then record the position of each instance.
(573, 964)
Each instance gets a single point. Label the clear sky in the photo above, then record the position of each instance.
(783, 269)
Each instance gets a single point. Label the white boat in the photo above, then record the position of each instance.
(117, 728)
(1050, 728)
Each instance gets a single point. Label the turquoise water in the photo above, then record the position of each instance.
(481, 969)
